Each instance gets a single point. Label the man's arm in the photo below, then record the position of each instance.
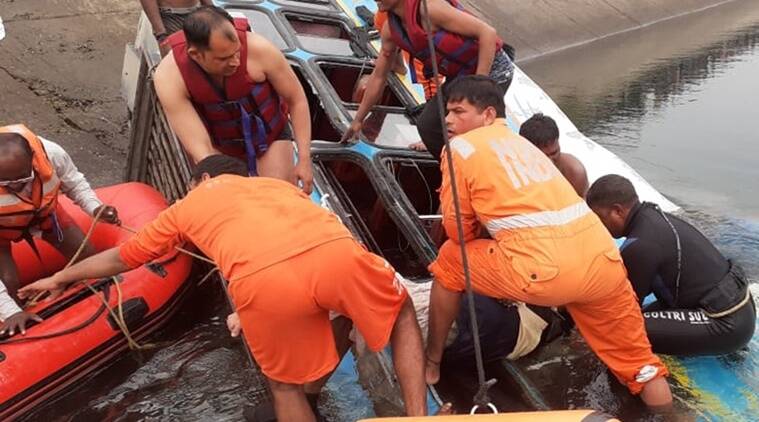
(445, 16)
(282, 78)
(154, 240)
(8, 269)
(8, 305)
(73, 182)
(105, 264)
(182, 116)
(154, 15)
(469, 220)
(641, 259)
(376, 84)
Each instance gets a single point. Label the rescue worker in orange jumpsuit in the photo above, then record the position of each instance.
(547, 248)
(289, 263)
(33, 171)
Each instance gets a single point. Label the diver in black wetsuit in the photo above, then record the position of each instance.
(704, 306)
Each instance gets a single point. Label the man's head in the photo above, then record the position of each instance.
(542, 131)
(215, 165)
(212, 40)
(15, 162)
(473, 101)
(612, 197)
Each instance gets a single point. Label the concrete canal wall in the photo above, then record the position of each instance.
(540, 27)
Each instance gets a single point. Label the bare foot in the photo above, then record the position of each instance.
(233, 323)
(445, 410)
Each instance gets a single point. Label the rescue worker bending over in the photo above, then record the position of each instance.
(303, 264)
(228, 90)
(542, 131)
(464, 45)
(703, 306)
(547, 248)
(33, 171)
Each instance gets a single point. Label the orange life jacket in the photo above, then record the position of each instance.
(19, 214)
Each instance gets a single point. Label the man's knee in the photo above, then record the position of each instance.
(283, 387)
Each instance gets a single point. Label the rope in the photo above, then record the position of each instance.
(74, 258)
(481, 398)
(118, 318)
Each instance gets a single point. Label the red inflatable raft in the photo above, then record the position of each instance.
(78, 335)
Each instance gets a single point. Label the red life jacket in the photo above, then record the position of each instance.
(456, 55)
(247, 116)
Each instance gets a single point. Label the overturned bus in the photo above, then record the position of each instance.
(383, 191)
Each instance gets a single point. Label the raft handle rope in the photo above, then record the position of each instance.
(481, 399)
(117, 317)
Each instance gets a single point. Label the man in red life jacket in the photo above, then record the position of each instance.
(464, 45)
(228, 90)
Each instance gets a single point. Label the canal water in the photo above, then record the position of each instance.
(676, 100)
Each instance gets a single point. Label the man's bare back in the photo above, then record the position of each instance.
(574, 171)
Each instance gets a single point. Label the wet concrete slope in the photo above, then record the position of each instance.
(538, 27)
(60, 69)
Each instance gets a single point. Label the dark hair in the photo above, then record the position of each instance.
(198, 25)
(540, 129)
(611, 189)
(479, 90)
(218, 164)
(12, 143)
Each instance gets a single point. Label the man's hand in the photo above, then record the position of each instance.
(305, 174)
(109, 214)
(49, 284)
(233, 323)
(353, 131)
(418, 146)
(17, 323)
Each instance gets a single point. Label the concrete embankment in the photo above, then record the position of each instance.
(540, 27)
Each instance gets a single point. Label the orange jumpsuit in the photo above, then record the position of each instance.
(289, 263)
(430, 88)
(548, 247)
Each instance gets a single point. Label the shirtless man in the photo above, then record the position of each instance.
(167, 16)
(216, 69)
(542, 131)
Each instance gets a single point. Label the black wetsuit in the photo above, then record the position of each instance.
(676, 323)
